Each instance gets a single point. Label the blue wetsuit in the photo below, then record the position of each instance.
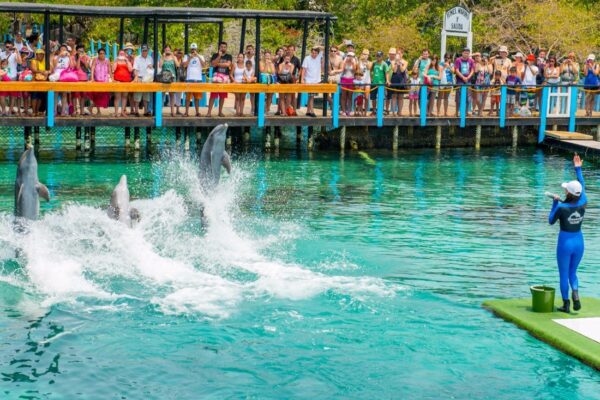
(569, 249)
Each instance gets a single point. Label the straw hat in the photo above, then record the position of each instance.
(128, 46)
(503, 49)
(392, 50)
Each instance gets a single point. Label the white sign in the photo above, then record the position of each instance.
(457, 19)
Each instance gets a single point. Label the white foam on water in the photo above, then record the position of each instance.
(79, 255)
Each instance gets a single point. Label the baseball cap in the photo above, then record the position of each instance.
(193, 46)
(467, 49)
(144, 47)
(379, 53)
(591, 57)
(573, 187)
(531, 57)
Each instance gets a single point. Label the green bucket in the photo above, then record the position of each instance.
(542, 299)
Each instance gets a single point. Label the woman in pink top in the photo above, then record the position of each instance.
(100, 73)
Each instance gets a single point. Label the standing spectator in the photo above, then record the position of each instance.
(4, 109)
(179, 77)
(569, 70)
(413, 93)
(23, 74)
(20, 43)
(312, 67)
(13, 59)
(335, 65)
(347, 82)
(447, 68)
(552, 78)
(268, 76)
(291, 51)
(496, 86)
(540, 78)
(121, 72)
(364, 65)
(82, 66)
(529, 81)
(502, 63)
(464, 68)
(101, 72)
(391, 62)
(286, 76)
(434, 76)
(40, 74)
(168, 65)
(512, 81)
(250, 55)
(143, 71)
(422, 64)
(194, 63)
(60, 63)
(398, 83)
(237, 76)
(221, 62)
(129, 53)
(379, 76)
(519, 64)
(591, 83)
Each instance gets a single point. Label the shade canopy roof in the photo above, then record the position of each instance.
(161, 12)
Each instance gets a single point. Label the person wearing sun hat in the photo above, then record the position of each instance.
(569, 250)
(501, 62)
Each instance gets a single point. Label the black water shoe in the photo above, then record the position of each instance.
(566, 308)
(576, 302)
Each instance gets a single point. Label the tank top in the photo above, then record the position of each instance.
(101, 70)
(122, 73)
(348, 71)
(62, 63)
(433, 71)
(169, 65)
(366, 73)
(238, 74)
(591, 79)
(397, 75)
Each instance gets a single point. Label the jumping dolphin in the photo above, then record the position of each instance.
(119, 208)
(28, 188)
(213, 155)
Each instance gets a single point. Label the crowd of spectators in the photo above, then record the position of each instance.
(358, 74)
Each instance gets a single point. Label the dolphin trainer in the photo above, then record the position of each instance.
(213, 156)
(28, 188)
(119, 208)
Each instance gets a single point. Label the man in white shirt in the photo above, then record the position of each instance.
(193, 63)
(143, 71)
(529, 79)
(312, 67)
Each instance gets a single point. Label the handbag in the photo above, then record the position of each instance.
(68, 75)
(166, 77)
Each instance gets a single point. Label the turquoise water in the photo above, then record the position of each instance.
(319, 276)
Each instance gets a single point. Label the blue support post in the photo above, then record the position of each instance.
(115, 51)
(158, 106)
(50, 109)
(423, 104)
(261, 110)
(463, 106)
(573, 108)
(543, 111)
(502, 110)
(107, 49)
(92, 47)
(335, 108)
(303, 99)
(380, 99)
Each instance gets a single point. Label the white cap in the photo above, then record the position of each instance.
(573, 187)
(519, 54)
(591, 57)
(193, 46)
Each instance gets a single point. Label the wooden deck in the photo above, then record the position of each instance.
(573, 141)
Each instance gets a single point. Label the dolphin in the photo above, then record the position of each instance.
(213, 155)
(28, 188)
(119, 208)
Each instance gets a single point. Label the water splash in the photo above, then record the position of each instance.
(81, 257)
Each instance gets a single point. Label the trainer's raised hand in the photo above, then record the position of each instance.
(577, 162)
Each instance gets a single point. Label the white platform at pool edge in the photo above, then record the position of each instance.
(588, 327)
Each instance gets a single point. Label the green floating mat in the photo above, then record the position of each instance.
(542, 326)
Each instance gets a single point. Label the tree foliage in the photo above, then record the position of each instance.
(524, 25)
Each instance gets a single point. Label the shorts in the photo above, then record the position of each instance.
(219, 78)
(347, 83)
(195, 95)
(359, 100)
(511, 99)
(218, 95)
(141, 96)
(495, 99)
(373, 94)
(413, 96)
(38, 95)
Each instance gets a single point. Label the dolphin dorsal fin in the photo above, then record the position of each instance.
(226, 162)
(42, 191)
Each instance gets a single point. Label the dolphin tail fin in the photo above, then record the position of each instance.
(226, 162)
(43, 191)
